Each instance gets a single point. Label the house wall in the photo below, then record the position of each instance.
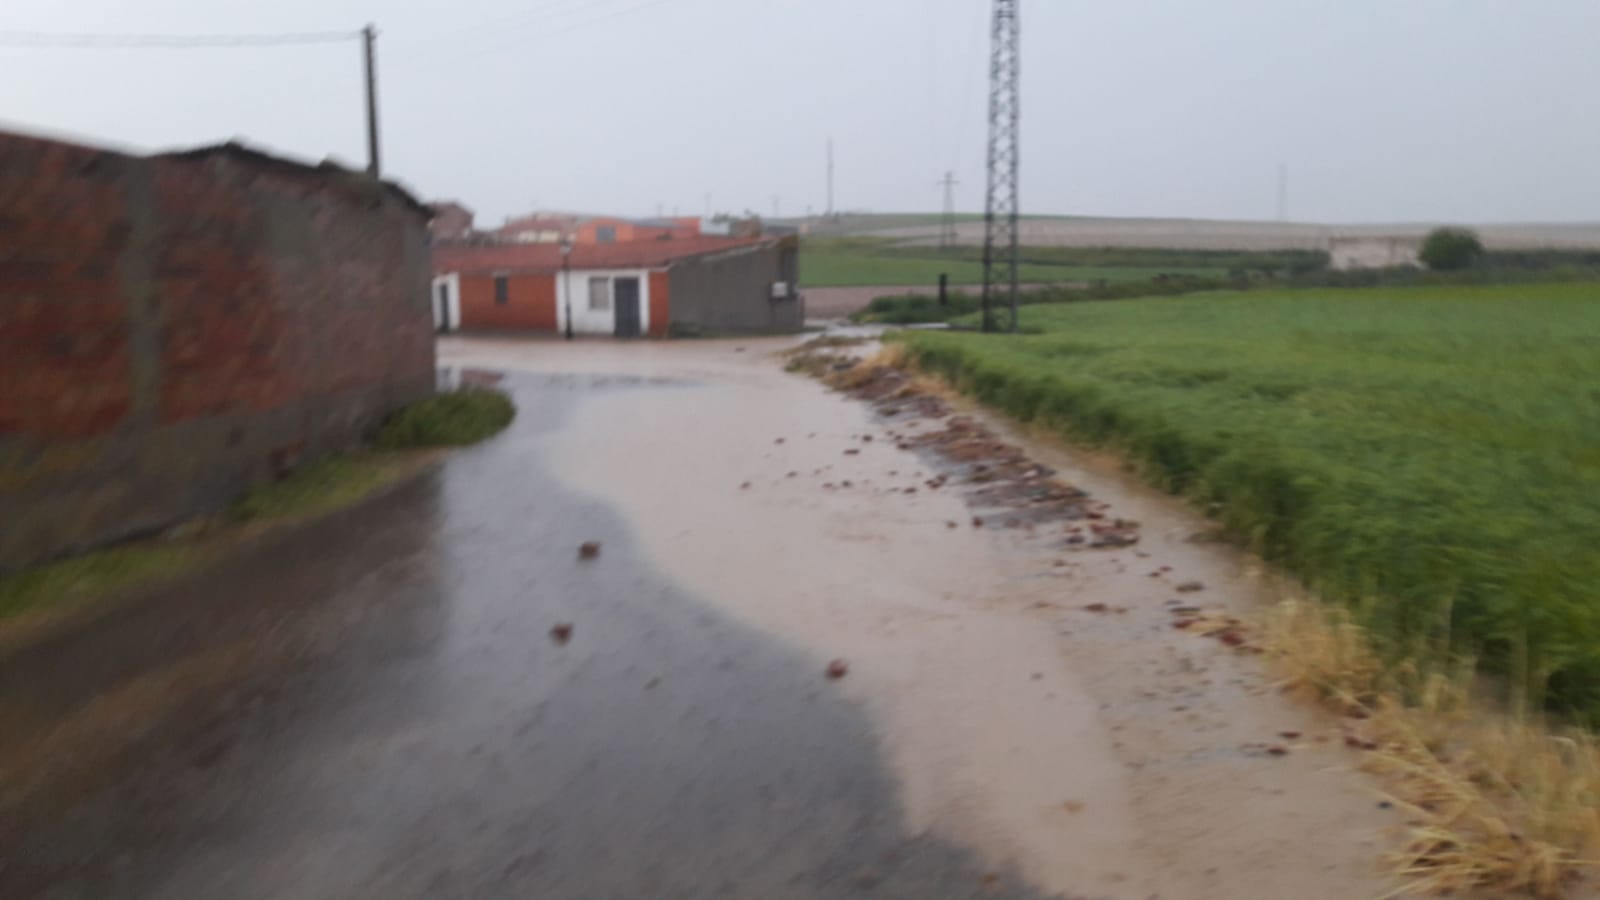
(660, 311)
(731, 292)
(530, 303)
(589, 321)
(1373, 253)
(589, 232)
(174, 329)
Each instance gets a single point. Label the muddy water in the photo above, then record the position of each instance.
(375, 708)
(1098, 753)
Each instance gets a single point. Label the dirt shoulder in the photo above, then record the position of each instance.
(1031, 692)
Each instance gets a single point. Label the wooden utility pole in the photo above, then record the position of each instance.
(369, 37)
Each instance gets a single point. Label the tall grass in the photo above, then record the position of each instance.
(1429, 455)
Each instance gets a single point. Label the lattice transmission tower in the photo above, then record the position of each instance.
(1000, 206)
(947, 222)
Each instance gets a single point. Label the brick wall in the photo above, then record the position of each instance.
(530, 303)
(175, 328)
(660, 305)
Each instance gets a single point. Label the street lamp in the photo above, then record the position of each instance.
(566, 278)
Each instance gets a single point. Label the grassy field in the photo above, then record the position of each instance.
(1430, 455)
(877, 262)
(852, 270)
(869, 263)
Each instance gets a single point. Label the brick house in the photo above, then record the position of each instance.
(650, 288)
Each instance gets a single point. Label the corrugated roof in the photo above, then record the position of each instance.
(547, 257)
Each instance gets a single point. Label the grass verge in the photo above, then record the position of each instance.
(61, 588)
(448, 420)
(1418, 454)
(1492, 802)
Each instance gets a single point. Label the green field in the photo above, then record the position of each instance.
(880, 262)
(1430, 455)
(853, 270)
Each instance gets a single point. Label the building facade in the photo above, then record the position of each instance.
(554, 228)
(637, 289)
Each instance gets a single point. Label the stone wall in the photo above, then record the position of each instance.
(176, 328)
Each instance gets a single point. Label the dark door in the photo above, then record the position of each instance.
(625, 297)
(444, 308)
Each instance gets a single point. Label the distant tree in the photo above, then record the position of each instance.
(1449, 249)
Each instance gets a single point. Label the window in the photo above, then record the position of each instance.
(600, 294)
(605, 234)
(502, 290)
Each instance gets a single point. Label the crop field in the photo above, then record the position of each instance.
(1429, 455)
(866, 262)
(851, 270)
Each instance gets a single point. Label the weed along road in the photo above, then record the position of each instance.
(803, 657)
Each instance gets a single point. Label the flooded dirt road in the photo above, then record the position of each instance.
(375, 708)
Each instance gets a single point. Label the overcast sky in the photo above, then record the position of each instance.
(1383, 110)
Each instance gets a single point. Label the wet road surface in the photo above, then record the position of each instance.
(373, 708)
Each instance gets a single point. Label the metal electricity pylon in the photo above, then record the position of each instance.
(1000, 206)
(947, 222)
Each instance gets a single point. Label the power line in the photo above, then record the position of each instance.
(45, 39)
(947, 222)
(570, 25)
(544, 14)
(1283, 192)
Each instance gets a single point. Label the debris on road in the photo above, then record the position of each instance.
(561, 633)
(838, 669)
(589, 550)
(1189, 587)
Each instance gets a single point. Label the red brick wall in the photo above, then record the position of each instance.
(660, 303)
(530, 303)
(173, 328)
(63, 365)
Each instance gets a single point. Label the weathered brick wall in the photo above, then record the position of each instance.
(175, 328)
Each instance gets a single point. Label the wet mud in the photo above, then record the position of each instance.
(376, 707)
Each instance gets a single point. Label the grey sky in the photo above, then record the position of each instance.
(1384, 110)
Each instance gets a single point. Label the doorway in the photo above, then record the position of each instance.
(625, 301)
(441, 317)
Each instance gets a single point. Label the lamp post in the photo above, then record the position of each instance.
(566, 279)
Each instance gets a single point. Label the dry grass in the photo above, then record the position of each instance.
(1495, 802)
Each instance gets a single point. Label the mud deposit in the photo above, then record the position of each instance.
(1005, 614)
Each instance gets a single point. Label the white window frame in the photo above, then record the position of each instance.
(601, 300)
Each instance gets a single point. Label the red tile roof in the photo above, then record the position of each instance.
(547, 257)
